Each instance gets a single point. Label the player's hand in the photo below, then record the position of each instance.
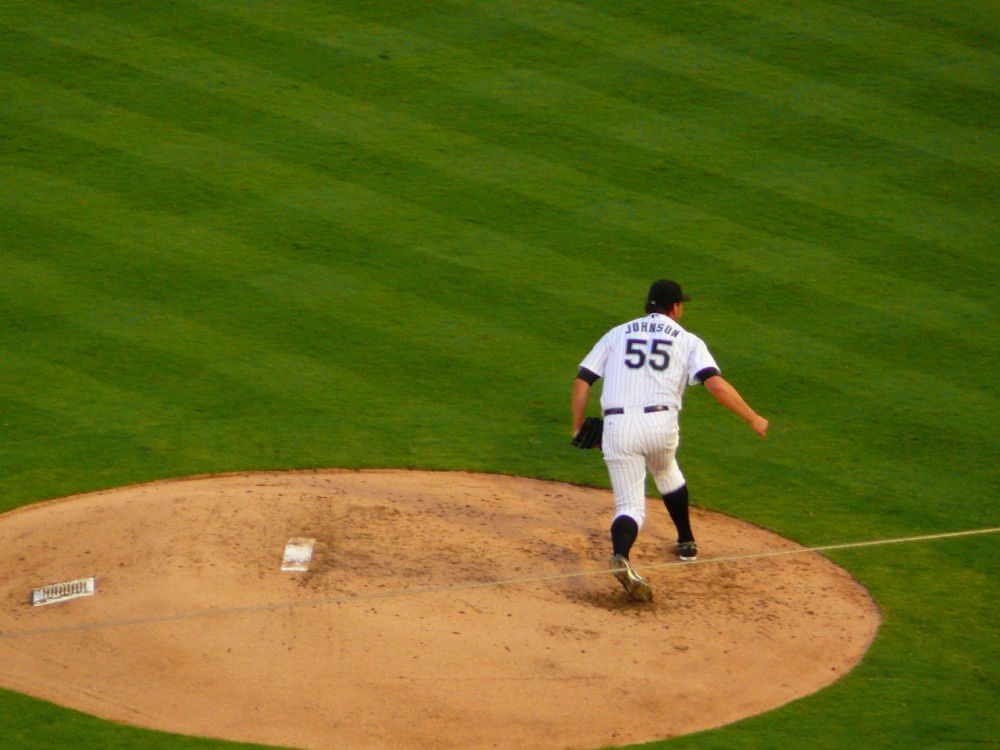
(759, 425)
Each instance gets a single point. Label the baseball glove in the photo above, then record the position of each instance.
(590, 433)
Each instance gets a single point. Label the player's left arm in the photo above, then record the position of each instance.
(728, 396)
(703, 369)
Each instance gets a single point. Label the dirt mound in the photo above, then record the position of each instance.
(441, 609)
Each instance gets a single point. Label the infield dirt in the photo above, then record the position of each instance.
(414, 626)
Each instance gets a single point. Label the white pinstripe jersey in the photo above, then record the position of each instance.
(648, 361)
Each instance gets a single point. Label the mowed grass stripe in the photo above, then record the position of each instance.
(861, 157)
(672, 225)
(185, 251)
(971, 23)
(911, 416)
(187, 380)
(642, 127)
(251, 162)
(176, 146)
(314, 233)
(324, 153)
(94, 166)
(667, 52)
(238, 386)
(424, 370)
(766, 199)
(805, 39)
(150, 347)
(887, 45)
(654, 43)
(843, 449)
(132, 292)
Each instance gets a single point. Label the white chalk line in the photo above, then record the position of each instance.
(419, 590)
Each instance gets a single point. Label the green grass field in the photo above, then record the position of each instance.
(256, 235)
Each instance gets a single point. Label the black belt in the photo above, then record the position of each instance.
(646, 409)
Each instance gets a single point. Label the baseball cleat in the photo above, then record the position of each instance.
(687, 551)
(631, 581)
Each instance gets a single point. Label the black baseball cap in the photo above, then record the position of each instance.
(665, 293)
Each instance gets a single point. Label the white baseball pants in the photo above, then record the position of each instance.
(633, 442)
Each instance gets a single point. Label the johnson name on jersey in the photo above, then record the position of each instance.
(648, 361)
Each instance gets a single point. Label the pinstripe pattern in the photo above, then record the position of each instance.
(648, 361)
(633, 442)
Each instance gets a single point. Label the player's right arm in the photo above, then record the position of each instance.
(591, 370)
(728, 396)
(581, 394)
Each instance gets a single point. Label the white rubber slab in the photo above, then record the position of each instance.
(61, 592)
(298, 554)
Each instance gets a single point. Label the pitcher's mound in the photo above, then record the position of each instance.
(434, 613)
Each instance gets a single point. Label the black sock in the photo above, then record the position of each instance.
(624, 531)
(677, 507)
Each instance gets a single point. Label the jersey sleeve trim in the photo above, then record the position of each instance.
(587, 376)
(705, 373)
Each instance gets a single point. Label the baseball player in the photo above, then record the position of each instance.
(646, 364)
